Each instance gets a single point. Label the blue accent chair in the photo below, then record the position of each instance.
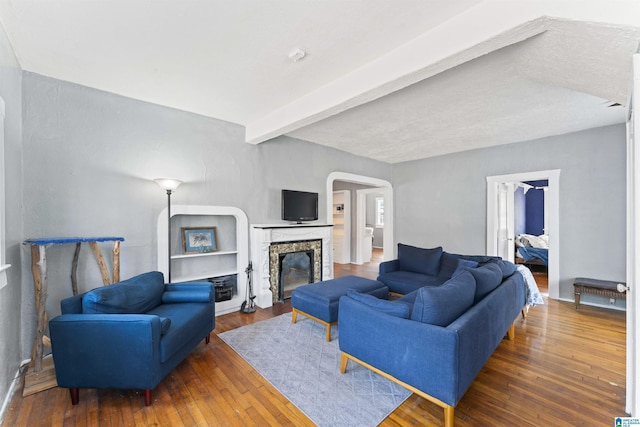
(131, 334)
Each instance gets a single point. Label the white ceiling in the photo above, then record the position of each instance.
(390, 80)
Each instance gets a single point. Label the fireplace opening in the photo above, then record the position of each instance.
(293, 264)
(296, 269)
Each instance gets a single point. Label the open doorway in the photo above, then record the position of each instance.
(360, 186)
(501, 219)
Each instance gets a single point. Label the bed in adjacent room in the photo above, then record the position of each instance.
(532, 250)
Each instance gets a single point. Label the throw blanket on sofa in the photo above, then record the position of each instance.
(533, 293)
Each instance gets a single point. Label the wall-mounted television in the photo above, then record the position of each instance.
(299, 206)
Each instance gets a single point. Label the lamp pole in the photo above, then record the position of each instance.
(170, 185)
(169, 191)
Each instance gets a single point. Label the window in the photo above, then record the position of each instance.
(379, 212)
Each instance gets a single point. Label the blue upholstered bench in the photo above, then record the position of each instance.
(319, 301)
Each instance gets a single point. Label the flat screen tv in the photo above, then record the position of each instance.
(299, 206)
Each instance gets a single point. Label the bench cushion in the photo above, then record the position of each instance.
(321, 299)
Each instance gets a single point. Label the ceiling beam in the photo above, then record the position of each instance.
(491, 25)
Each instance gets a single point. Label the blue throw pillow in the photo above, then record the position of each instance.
(441, 305)
(397, 309)
(136, 295)
(462, 265)
(448, 265)
(419, 260)
(488, 277)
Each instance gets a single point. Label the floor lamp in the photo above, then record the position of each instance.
(170, 185)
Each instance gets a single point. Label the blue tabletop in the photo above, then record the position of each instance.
(66, 240)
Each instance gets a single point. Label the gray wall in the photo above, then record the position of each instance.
(91, 157)
(10, 295)
(442, 200)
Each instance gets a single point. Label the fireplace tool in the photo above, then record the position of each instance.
(249, 306)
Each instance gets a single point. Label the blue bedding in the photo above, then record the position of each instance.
(531, 254)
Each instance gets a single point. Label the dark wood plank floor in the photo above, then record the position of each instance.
(565, 367)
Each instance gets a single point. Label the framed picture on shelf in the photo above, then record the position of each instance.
(199, 239)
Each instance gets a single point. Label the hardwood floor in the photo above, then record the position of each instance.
(565, 366)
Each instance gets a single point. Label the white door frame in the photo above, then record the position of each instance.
(633, 242)
(346, 213)
(553, 201)
(361, 219)
(383, 187)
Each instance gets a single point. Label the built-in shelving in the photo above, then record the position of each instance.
(204, 254)
(232, 236)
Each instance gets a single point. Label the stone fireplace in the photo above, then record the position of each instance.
(292, 264)
(287, 256)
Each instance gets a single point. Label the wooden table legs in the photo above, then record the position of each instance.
(40, 374)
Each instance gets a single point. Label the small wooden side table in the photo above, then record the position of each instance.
(41, 374)
(597, 287)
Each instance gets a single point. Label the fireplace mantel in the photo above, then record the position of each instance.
(262, 235)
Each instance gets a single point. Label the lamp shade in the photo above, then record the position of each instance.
(169, 184)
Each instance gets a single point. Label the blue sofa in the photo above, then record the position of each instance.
(417, 267)
(131, 334)
(435, 340)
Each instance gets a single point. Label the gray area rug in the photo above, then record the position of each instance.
(296, 359)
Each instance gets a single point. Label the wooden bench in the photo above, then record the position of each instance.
(597, 287)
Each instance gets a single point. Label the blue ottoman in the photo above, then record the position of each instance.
(319, 301)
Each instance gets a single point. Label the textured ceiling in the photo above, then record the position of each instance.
(390, 80)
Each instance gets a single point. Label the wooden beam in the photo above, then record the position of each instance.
(104, 271)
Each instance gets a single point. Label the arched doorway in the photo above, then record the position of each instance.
(385, 188)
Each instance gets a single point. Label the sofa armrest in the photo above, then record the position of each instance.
(187, 296)
(422, 355)
(188, 292)
(188, 286)
(106, 350)
(389, 266)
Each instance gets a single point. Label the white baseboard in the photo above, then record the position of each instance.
(12, 389)
(593, 304)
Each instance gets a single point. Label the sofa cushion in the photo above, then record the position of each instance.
(462, 265)
(480, 259)
(185, 319)
(441, 305)
(507, 268)
(133, 296)
(448, 264)
(488, 277)
(397, 309)
(419, 260)
(404, 282)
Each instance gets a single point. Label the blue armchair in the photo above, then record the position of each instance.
(129, 335)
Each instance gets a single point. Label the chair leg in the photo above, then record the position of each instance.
(75, 395)
(207, 339)
(147, 397)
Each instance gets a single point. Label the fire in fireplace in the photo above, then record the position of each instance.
(292, 264)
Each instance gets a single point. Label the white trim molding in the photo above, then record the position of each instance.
(553, 199)
(386, 189)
